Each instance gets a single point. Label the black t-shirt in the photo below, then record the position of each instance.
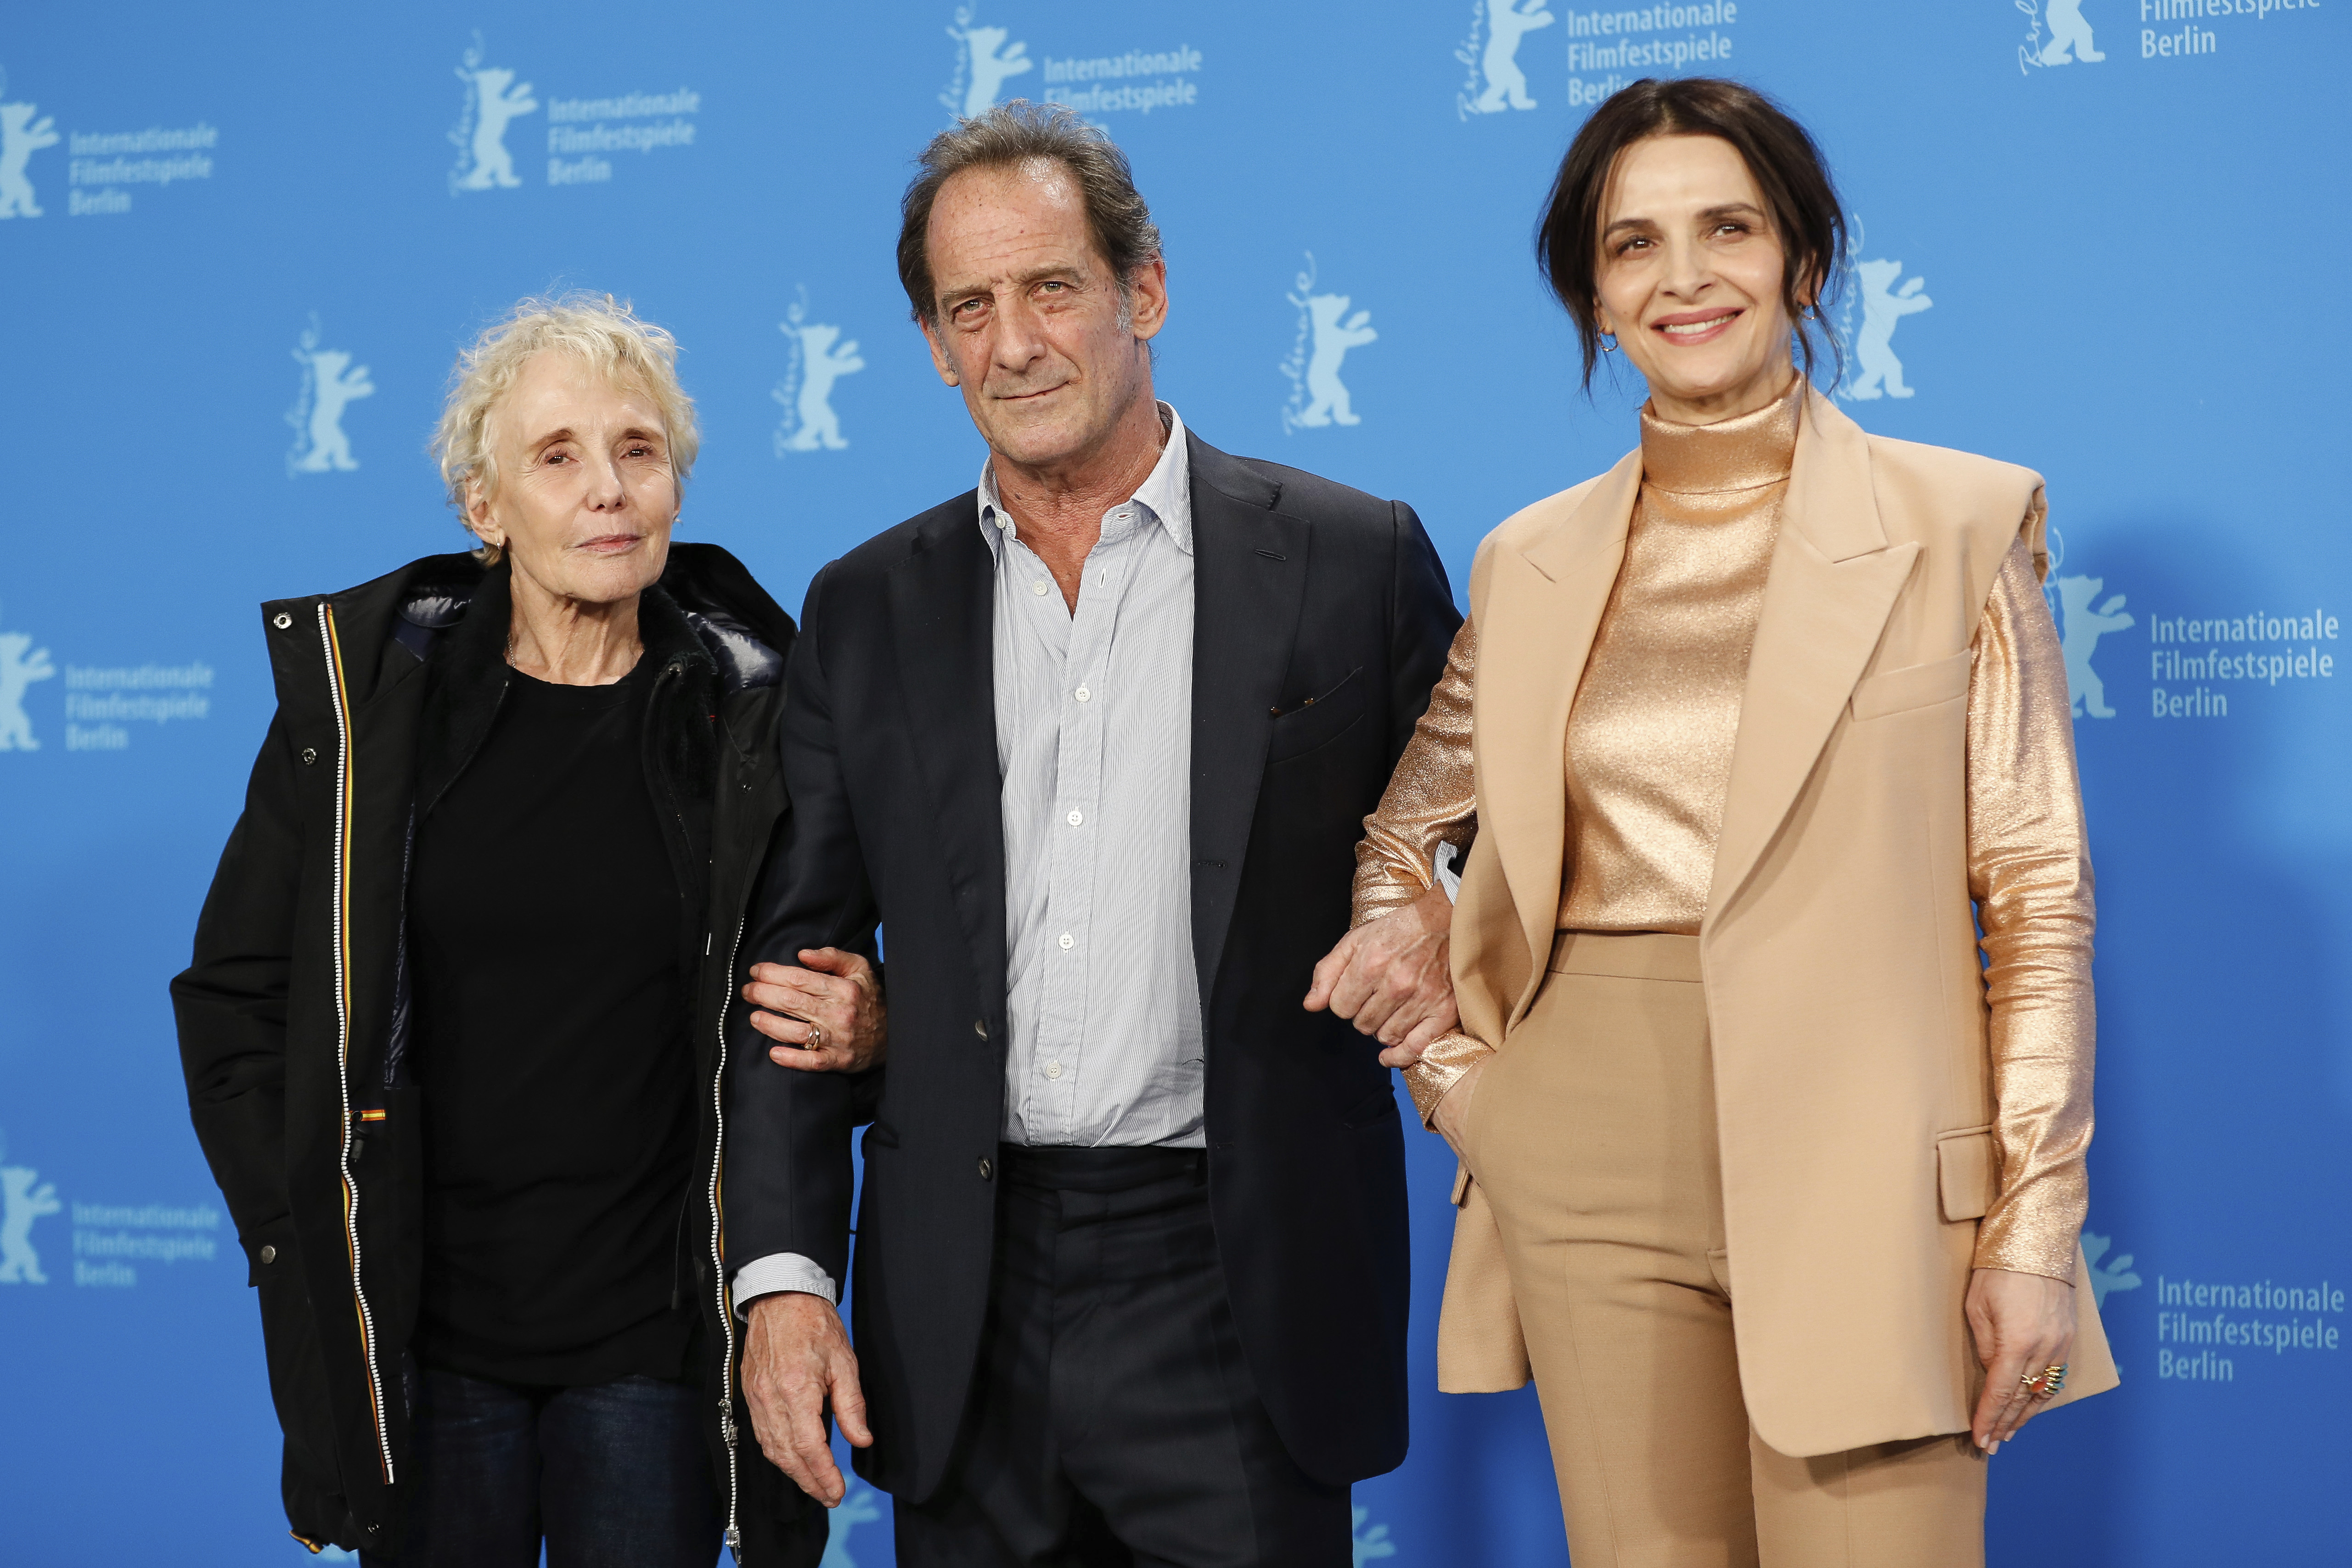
(551, 1028)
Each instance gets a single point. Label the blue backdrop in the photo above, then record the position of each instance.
(240, 246)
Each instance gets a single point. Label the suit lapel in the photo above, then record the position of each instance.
(942, 620)
(1249, 580)
(1834, 582)
(1543, 605)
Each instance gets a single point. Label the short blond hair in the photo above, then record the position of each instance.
(604, 334)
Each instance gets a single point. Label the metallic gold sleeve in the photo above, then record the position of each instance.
(1432, 800)
(2030, 872)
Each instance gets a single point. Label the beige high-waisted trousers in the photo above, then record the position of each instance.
(1593, 1135)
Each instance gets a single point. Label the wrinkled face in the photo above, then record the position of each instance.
(585, 492)
(1030, 323)
(1690, 273)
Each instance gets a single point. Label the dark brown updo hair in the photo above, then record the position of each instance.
(1807, 217)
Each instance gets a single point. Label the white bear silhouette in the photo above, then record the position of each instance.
(822, 365)
(1333, 339)
(21, 136)
(2068, 30)
(333, 384)
(2080, 635)
(1506, 26)
(20, 669)
(21, 1203)
(498, 98)
(1880, 373)
(992, 61)
(857, 1507)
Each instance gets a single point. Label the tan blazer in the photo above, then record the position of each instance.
(1844, 1000)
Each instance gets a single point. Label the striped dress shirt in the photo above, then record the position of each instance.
(1094, 754)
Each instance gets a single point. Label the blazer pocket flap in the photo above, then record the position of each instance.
(1920, 685)
(1967, 1172)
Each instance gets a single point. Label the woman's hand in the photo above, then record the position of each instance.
(2022, 1323)
(829, 1014)
(1393, 978)
(1452, 1117)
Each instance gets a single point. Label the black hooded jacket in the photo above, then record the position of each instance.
(293, 1018)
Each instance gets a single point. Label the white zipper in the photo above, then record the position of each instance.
(327, 641)
(718, 1263)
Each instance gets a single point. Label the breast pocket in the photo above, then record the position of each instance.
(1916, 686)
(1303, 726)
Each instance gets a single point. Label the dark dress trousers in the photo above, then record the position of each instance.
(1322, 618)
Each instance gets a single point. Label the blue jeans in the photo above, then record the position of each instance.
(615, 1475)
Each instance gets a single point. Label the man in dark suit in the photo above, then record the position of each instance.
(1095, 744)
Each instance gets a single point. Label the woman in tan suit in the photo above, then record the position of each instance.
(1772, 1187)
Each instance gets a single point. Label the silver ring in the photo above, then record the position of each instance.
(816, 1037)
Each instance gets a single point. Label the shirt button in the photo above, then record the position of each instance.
(1068, 941)
(1083, 695)
(1075, 818)
(1038, 588)
(1053, 1069)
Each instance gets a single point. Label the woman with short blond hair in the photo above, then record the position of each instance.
(453, 1031)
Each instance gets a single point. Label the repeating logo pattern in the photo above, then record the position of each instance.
(1496, 83)
(986, 58)
(1877, 300)
(819, 359)
(494, 101)
(2082, 620)
(21, 664)
(859, 1505)
(24, 131)
(330, 383)
(2056, 34)
(1326, 332)
(21, 1203)
(2107, 1274)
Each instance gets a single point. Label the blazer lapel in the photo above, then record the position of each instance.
(1543, 604)
(942, 622)
(1249, 580)
(1834, 582)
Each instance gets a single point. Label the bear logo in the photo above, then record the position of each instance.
(21, 136)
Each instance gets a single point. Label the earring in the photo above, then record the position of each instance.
(1607, 342)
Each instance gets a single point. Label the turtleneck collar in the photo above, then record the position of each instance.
(1739, 454)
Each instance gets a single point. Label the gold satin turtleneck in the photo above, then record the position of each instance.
(1649, 746)
(1649, 736)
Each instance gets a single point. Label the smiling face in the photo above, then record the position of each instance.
(1689, 278)
(1030, 324)
(585, 494)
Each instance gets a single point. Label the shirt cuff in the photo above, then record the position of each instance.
(780, 1271)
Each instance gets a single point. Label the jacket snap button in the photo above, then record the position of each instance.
(269, 1254)
(985, 1170)
(980, 1028)
(309, 755)
(281, 621)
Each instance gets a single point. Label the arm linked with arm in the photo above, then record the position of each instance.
(2030, 874)
(1430, 799)
(788, 1173)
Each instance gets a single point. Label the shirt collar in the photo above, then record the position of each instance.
(1166, 493)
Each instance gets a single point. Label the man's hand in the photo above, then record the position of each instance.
(829, 1013)
(796, 1359)
(1393, 978)
(2022, 1323)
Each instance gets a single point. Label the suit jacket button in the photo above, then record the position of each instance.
(309, 755)
(985, 1170)
(269, 1254)
(980, 1028)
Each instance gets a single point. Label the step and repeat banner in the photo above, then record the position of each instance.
(239, 247)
